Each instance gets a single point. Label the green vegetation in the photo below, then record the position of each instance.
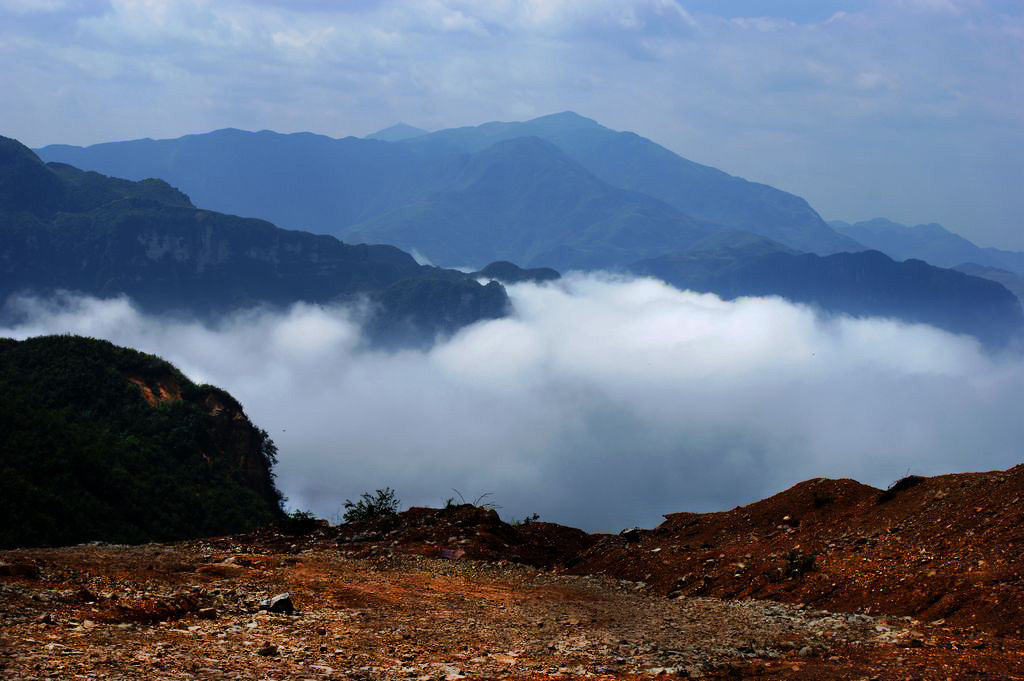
(299, 523)
(371, 507)
(105, 443)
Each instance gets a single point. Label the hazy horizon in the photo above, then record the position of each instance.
(909, 110)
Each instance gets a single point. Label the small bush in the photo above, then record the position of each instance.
(299, 523)
(371, 507)
(899, 486)
(532, 518)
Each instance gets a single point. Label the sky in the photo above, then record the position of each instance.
(908, 109)
(601, 402)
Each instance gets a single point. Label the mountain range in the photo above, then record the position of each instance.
(559, 191)
(65, 228)
(932, 243)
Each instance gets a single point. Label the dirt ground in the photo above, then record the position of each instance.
(827, 580)
(192, 610)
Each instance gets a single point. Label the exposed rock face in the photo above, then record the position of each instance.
(105, 443)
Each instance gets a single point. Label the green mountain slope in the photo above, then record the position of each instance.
(105, 443)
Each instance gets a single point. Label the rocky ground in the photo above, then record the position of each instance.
(824, 581)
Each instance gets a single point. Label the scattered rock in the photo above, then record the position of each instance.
(631, 534)
(280, 603)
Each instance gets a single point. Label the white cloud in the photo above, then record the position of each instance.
(601, 402)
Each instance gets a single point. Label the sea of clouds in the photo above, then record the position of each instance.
(601, 402)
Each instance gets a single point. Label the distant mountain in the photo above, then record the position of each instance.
(524, 200)
(467, 196)
(106, 443)
(1013, 282)
(396, 133)
(629, 161)
(868, 283)
(932, 243)
(68, 229)
(510, 273)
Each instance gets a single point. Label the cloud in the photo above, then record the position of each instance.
(600, 403)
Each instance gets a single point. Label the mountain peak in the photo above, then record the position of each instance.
(396, 133)
(566, 120)
(25, 182)
(13, 151)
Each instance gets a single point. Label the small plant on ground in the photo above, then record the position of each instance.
(299, 523)
(532, 518)
(478, 502)
(371, 507)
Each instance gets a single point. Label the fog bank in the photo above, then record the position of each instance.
(601, 403)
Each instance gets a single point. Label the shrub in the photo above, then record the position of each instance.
(371, 507)
(532, 518)
(299, 523)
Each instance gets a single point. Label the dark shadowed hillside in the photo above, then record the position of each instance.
(868, 283)
(64, 228)
(510, 273)
(1013, 282)
(104, 443)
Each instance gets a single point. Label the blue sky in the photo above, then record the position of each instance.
(911, 109)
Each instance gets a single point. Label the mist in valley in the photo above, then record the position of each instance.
(600, 402)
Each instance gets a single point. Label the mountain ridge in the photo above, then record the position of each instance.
(930, 242)
(337, 186)
(866, 283)
(146, 239)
